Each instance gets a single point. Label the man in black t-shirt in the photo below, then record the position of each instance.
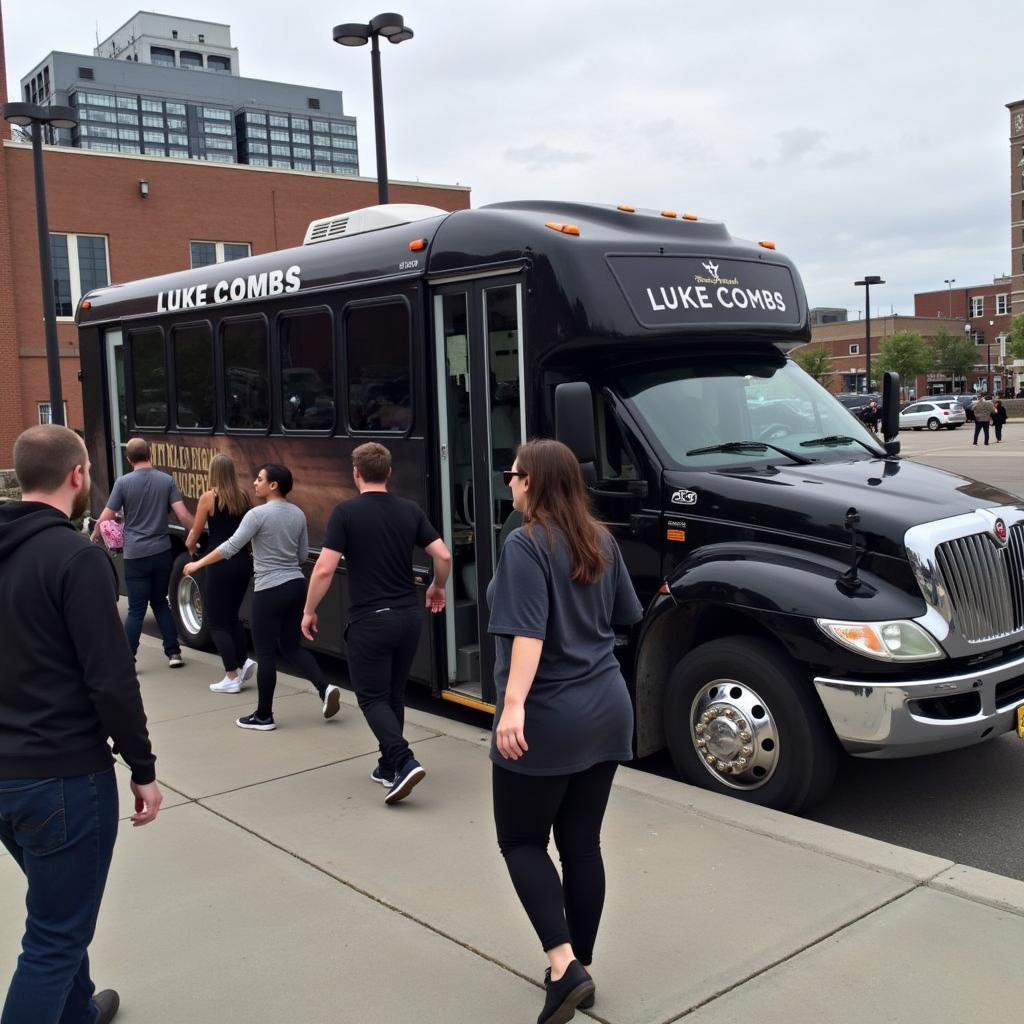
(376, 532)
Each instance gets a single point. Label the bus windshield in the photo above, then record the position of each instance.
(736, 411)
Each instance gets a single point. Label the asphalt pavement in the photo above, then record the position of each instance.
(276, 886)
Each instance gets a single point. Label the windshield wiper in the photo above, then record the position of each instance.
(746, 446)
(833, 440)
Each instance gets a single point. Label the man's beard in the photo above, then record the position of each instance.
(80, 505)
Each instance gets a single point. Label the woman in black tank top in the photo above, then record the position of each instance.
(224, 584)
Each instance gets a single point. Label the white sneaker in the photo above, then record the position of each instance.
(332, 700)
(227, 685)
(248, 672)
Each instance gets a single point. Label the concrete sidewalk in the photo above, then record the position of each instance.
(276, 887)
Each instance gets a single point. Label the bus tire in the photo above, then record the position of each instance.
(741, 719)
(186, 600)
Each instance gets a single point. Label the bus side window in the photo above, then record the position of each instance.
(379, 363)
(306, 351)
(246, 395)
(149, 377)
(616, 458)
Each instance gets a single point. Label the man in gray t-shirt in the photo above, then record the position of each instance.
(144, 496)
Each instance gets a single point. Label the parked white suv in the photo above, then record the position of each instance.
(943, 412)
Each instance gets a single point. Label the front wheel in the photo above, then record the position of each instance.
(933, 424)
(741, 719)
(186, 600)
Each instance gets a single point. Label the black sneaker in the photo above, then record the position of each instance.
(174, 661)
(405, 781)
(254, 721)
(583, 1004)
(386, 779)
(107, 1003)
(563, 996)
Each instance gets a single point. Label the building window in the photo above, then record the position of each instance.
(1002, 305)
(278, 121)
(79, 265)
(176, 108)
(45, 416)
(86, 74)
(306, 344)
(321, 126)
(259, 161)
(277, 135)
(302, 165)
(127, 103)
(161, 55)
(321, 140)
(128, 134)
(302, 123)
(300, 138)
(204, 254)
(314, 104)
(216, 114)
(188, 59)
(177, 140)
(281, 150)
(177, 123)
(96, 99)
(341, 143)
(379, 368)
(256, 133)
(252, 117)
(153, 106)
(977, 305)
(218, 63)
(301, 153)
(257, 147)
(246, 395)
(193, 376)
(154, 137)
(152, 121)
(178, 154)
(106, 116)
(216, 128)
(219, 158)
(854, 350)
(342, 129)
(149, 377)
(127, 119)
(219, 144)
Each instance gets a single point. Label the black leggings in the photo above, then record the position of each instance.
(276, 622)
(224, 590)
(526, 808)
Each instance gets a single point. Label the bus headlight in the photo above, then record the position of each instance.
(899, 640)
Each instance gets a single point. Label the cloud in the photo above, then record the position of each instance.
(542, 155)
(796, 143)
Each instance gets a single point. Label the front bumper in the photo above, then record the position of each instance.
(906, 719)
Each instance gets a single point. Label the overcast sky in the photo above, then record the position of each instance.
(863, 140)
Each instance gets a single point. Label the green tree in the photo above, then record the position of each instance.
(1015, 344)
(953, 355)
(906, 354)
(816, 361)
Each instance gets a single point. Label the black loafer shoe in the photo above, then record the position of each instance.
(107, 1003)
(563, 996)
(583, 1004)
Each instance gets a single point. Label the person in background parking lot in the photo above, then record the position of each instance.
(998, 419)
(982, 418)
(871, 415)
(145, 496)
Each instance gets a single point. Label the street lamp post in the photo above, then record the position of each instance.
(394, 29)
(949, 282)
(24, 114)
(869, 280)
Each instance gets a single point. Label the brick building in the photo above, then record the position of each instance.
(102, 224)
(847, 345)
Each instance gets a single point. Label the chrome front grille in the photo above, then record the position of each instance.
(984, 581)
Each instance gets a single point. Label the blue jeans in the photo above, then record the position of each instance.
(146, 580)
(61, 833)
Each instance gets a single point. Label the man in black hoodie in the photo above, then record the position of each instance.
(67, 684)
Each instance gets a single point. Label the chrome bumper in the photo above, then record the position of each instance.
(877, 719)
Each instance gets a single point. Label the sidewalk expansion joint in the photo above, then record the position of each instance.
(366, 894)
(794, 954)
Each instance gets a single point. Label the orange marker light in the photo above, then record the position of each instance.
(565, 229)
(87, 304)
(690, 216)
(417, 244)
(669, 213)
(663, 589)
(767, 244)
(677, 535)
(626, 208)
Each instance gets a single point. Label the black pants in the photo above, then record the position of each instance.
(998, 428)
(276, 622)
(380, 648)
(979, 426)
(225, 584)
(526, 808)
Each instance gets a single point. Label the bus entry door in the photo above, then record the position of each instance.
(481, 421)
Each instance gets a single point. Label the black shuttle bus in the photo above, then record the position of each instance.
(806, 590)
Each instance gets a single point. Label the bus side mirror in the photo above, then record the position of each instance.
(574, 424)
(891, 412)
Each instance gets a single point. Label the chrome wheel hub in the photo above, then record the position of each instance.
(190, 605)
(734, 734)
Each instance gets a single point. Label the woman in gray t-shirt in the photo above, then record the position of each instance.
(563, 719)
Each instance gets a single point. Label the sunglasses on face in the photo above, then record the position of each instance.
(508, 474)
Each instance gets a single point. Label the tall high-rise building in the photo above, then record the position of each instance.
(167, 86)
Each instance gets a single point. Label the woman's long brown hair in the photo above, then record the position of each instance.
(225, 482)
(558, 498)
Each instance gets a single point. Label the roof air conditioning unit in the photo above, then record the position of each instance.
(371, 218)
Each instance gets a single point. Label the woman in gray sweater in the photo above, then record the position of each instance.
(277, 531)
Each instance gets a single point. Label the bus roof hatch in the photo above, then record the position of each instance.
(370, 218)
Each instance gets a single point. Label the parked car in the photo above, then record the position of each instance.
(933, 414)
(855, 401)
(967, 401)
